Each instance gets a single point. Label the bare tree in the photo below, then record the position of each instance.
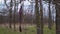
(20, 16)
(14, 14)
(10, 12)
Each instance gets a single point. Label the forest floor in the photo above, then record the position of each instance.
(26, 29)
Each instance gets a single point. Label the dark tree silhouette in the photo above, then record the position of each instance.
(50, 17)
(57, 16)
(20, 18)
(39, 17)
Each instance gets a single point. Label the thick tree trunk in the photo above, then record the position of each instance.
(57, 17)
(39, 17)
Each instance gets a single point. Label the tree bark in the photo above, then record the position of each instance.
(50, 17)
(39, 17)
(57, 16)
(20, 17)
(10, 14)
(14, 14)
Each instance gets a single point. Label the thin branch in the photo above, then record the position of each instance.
(6, 3)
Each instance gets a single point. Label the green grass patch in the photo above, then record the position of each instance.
(48, 31)
(28, 30)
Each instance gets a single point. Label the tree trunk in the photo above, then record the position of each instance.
(10, 14)
(20, 17)
(57, 16)
(50, 17)
(14, 14)
(39, 17)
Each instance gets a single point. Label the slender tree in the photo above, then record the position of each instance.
(20, 16)
(10, 14)
(14, 14)
(50, 17)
